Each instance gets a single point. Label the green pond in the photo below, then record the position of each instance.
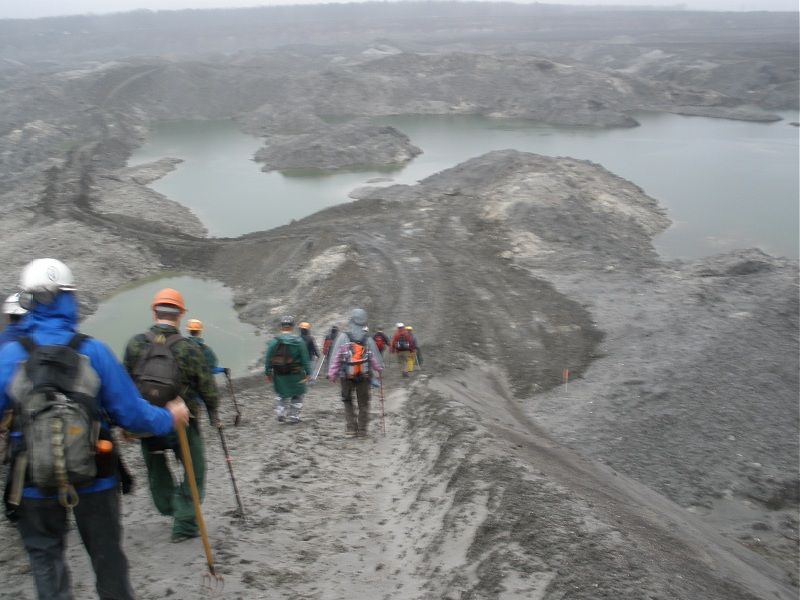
(237, 345)
(726, 184)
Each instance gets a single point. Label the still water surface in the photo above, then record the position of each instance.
(726, 184)
(127, 313)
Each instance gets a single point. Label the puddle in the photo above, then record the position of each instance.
(126, 313)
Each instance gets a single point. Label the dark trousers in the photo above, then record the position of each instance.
(361, 389)
(42, 525)
(171, 497)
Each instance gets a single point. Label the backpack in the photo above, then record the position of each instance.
(356, 363)
(380, 341)
(403, 342)
(282, 361)
(157, 373)
(56, 411)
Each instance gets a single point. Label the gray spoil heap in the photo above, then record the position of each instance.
(512, 267)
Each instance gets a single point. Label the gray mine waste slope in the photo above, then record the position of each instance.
(666, 468)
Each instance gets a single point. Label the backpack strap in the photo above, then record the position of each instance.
(77, 340)
(170, 341)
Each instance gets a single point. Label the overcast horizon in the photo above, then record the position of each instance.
(48, 8)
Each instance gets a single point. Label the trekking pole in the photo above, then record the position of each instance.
(186, 458)
(230, 470)
(238, 416)
(319, 368)
(383, 411)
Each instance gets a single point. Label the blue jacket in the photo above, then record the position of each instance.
(56, 323)
(11, 332)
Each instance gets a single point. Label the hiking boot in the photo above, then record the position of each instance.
(177, 538)
(281, 418)
(294, 420)
(350, 434)
(361, 433)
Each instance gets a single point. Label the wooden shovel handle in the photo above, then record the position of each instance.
(186, 457)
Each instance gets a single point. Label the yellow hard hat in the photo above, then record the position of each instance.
(194, 325)
(409, 328)
(304, 325)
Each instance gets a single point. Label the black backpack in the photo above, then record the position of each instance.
(56, 411)
(282, 361)
(157, 373)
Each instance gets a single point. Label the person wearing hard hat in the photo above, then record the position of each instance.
(308, 340)
(195, 329)
(355, 360)
(13, 314)
(415, 356)
(197, 387)
(287, 367)
(402, 344)
(41, 517)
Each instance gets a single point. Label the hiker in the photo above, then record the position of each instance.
(35, 499)
(402, 344)
(311, 345)
(354, 360)
(14, 313)
(195, 329)
(162, 359)
(288, 367)
(414, 344)
(327, 343)
(381, 341)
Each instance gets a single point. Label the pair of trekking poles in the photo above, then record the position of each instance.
(212, 580)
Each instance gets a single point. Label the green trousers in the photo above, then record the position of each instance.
(171, 498)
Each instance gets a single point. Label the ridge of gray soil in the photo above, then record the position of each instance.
(665, 467)
(512, 267)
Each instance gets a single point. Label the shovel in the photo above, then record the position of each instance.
(211, 580)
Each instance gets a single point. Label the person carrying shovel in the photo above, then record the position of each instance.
(162, 359)
(287, 367)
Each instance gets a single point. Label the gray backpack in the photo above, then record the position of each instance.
(56, 410)
(157, 373)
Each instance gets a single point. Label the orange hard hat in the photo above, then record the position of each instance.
(168, 297)
(194, 325)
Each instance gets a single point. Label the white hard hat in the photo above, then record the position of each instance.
(399, 325)
(46, 275)
(11, 306)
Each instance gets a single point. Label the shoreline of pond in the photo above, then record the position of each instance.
(261, 205)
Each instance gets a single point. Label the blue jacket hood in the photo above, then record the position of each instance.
(53, 323)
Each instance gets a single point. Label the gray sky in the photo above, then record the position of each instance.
(41, 8)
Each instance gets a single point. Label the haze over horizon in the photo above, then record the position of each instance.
(47, 8)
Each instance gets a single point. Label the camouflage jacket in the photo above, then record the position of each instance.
(195, 374)
(211, 359)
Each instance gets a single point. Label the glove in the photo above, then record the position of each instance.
(227, 371)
